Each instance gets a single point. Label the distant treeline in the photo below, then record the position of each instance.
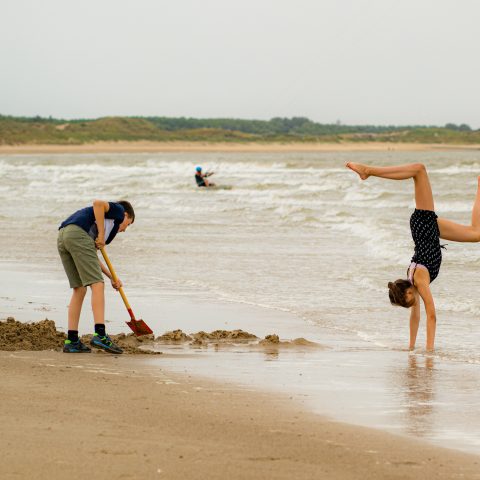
(40, 130)
(282, 126)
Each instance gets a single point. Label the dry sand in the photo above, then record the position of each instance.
(152, 147)
(98, 416)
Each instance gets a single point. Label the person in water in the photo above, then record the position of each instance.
(201, 178)
(427, 229)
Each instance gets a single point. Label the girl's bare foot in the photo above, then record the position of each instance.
(359, 169)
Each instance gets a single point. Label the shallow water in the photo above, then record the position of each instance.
(297, 234)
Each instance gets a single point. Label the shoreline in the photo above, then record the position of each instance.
(339, 377)
(138, 420)
(159, 147)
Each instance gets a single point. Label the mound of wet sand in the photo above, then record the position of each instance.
(30, 336)
(204, 338)
(225, 335)
(175, 336)
(270, 340)
(44, 335)
(274, 341)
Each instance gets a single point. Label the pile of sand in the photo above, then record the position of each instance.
(270, 340)
(274, 341)
(175, 336)
(45, 336)
(204, 338)
(30, 336)
(225, 336)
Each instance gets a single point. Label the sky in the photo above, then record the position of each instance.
(382, 62)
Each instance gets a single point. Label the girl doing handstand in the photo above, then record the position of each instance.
(427, 229)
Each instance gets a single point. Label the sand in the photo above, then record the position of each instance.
(152, 147)
(43, 335)
(30, 336)
(98, 416)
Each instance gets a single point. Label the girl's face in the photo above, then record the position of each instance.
(410, 296)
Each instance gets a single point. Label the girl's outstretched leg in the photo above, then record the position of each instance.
(456, 232)
(397, 172)
(417, 171)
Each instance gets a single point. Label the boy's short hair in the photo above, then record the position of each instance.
(127, 206)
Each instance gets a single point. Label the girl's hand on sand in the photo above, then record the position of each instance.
(117, 285)
(99, 242)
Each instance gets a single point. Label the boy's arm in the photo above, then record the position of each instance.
(116, 285)
(99, 209)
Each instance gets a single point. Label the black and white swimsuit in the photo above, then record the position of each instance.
(426, 235)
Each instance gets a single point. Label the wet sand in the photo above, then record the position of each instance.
(121, 417)
(44, 335)
(429, 399)
(152, 147)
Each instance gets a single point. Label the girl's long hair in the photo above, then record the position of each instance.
(396, 293)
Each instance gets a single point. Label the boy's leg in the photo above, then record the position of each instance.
(463, 233)
(75, 307)
(98, 302)
(101, 339)
(417, 171)
(81, 248)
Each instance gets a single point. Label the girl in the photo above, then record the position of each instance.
(426, 230)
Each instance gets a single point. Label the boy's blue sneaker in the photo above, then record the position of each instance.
(75, 347)
(105, 343)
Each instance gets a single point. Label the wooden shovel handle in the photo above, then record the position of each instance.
(115, 279)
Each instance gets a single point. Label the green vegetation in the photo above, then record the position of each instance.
(38, 130)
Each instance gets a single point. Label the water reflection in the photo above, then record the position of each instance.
(418, 384)
(271, 354)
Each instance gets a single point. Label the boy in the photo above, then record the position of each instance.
(79, 236)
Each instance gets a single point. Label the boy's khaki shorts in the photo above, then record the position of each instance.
(79, 256)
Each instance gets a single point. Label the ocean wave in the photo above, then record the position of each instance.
(457, 169)
(296, 233)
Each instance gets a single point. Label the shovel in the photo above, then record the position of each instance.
(139, 327)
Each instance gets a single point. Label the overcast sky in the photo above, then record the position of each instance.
(354, 61)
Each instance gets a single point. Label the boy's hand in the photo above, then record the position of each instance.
(99, 242)
(117, 285)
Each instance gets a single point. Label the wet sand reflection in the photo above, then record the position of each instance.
(419, 387)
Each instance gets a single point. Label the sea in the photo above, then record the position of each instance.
(287, 243)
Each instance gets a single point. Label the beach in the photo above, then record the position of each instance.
(204, 147)
(119, 417)
(284, 249)
(284, 195)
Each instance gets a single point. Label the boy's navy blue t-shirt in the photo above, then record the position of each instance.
(85, 219)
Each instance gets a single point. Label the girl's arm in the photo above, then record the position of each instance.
(414, 322)
(423, 286)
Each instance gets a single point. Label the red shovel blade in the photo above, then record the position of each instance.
(139, 327)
